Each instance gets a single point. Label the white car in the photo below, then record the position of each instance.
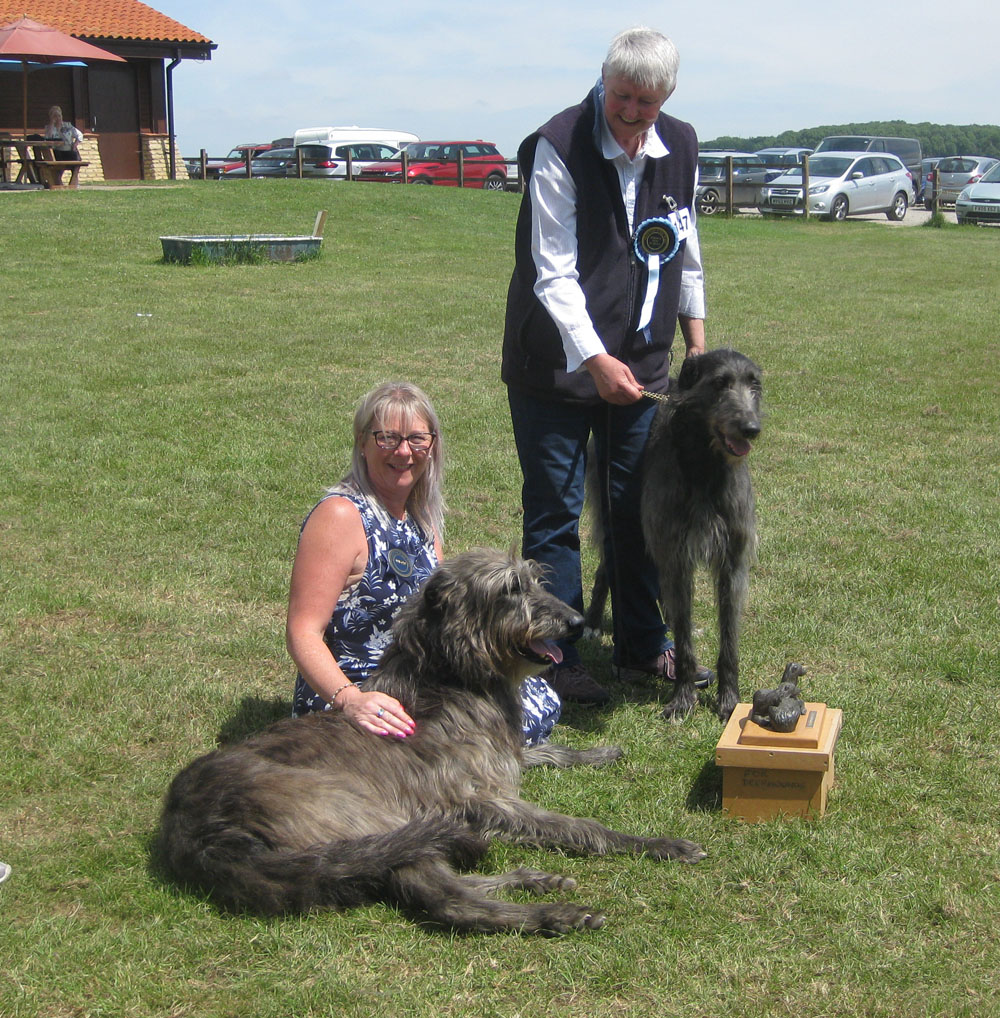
(326, 159)
(843, 184)
(980, 202)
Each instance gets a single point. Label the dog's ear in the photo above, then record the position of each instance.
(432, 596)
(690, 372)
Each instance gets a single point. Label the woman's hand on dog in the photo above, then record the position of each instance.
(377, 712)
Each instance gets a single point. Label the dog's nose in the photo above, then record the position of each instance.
(751, 429)
(574, 623)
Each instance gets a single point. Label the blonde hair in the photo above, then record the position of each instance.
(404, 402)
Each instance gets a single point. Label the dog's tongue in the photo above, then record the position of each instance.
(547, 648)
(738, 446)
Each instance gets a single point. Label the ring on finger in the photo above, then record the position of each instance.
(380, 712)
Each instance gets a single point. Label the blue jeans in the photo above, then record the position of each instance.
(551, 440)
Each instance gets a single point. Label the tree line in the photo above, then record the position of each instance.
(935, 139)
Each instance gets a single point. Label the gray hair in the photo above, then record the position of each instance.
(402, 400)
(644, 56)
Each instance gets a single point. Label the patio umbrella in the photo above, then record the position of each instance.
(31, 42)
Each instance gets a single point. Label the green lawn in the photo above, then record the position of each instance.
(165, 429)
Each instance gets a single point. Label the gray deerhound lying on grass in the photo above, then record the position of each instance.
(698, 507)
(314, 813)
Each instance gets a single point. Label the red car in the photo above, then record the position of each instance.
(436, 162)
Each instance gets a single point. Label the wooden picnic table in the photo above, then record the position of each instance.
(36, 163)
(16, 155)
(50, 170)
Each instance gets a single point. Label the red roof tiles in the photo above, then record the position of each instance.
(101, 19)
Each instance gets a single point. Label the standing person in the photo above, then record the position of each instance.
(607, 262)
(366, 547)
(68, 138)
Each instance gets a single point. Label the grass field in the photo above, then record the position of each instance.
(165, 429)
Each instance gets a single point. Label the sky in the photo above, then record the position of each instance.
(497, 71)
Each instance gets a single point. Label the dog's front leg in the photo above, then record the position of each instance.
(523, 822)
(730, 592)
(678, 594)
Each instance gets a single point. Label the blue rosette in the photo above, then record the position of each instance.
(656, 241)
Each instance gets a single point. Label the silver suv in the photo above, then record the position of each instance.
(324, 159)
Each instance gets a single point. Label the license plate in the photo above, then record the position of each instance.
(783, 201)
(987, 210)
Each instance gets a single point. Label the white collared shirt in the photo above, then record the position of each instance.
(554, 244)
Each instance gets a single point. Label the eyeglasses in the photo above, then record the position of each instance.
(419, 441)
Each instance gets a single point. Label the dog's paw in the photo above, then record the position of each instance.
(679, 849)
(540, 882)
(684, 701)
(563, 918)
(727, 704)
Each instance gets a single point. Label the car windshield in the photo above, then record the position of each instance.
(829, 166)
(237, 153)
(992, 175)
(843, 144)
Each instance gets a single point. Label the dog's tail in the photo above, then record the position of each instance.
(242, 874)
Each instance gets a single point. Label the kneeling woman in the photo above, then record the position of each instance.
(363, 550)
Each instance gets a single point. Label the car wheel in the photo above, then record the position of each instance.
(839, 208)
(708, 202)
(898, 211)
(494, 182)
(421, 180)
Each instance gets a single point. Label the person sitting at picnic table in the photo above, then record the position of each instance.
(367, 546)
(66, 136)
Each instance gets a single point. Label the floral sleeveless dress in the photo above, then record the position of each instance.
(400, 558)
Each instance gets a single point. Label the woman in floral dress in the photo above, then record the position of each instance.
(364, 549)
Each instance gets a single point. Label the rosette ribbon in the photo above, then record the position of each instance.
(656, 242)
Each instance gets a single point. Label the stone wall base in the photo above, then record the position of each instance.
(155, 159)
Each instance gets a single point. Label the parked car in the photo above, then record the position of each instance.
(782, 156)
(436, 162)
(921, 193)
(954, 173)
(907, 149)
(980, 202)
(843, 184)
(327, 160)
(272, 163)
(513, 175)
(749, 173)
(353, 135)
(214, 168)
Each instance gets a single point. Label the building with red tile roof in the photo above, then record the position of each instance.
(124, 109)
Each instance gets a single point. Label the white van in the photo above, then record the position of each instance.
(347, 135)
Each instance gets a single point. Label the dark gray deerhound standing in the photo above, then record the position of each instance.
(698, 507)
(315, 813)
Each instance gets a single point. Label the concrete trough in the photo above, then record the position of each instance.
(250, 247)
(241, 248)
